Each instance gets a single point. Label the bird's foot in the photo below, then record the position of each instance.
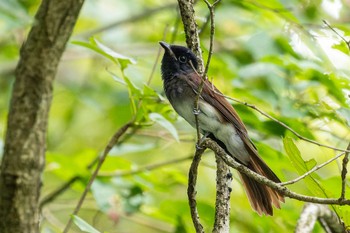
(196, 111)
(198, 147)
(199, 143)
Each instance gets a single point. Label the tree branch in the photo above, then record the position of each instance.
(191, 30)
(341, 37)
(211, 8)
(208, 143)
(108, 148)
(223, 192)
(283, 124)
(328, 219)
(191, 190)
(25, 144)
(312, 170)
(343, 173)
(52, 196)
(222, 207)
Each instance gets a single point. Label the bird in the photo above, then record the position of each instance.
(218, 120)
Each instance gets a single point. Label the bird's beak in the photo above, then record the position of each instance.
(167, 49)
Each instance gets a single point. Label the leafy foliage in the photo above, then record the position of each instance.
(276, 55)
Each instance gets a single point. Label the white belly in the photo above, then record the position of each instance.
(211, 121)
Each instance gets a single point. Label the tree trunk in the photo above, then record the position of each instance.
(24, 153)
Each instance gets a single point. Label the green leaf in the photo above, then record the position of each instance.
(342, 47)
(117, 78)
(84, 226)
(180, 225)
(131, 148)
(295, 157)
(345, 114)
(107, 52)
(165, 123)
(123, 60)
(303, 166)
(135, 91)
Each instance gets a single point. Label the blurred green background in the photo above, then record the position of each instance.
(277, 55)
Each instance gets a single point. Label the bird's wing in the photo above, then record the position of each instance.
(215, 98)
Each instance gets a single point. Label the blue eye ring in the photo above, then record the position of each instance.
(183, 59)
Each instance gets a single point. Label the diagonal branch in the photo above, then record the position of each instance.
(347, 42)
(191, 30)
(327, 218)
(191, 189)
(312, 170)
(282, 124)
(208, 143)
(343, 173)
(108, 148)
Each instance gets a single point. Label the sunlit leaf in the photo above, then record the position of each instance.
(126, 148)
(134, 89)
(117, 78)
(302, 166)
(165, 123)
(123, 60)
(84, 226)
(113, 53)
(107, 52)
(342, 47)
(345, 114)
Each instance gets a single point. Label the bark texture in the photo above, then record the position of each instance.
(191, 30)
(24, 152)
(223, 194)
(327, 218)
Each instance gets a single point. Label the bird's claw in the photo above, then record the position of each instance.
(196, 111)
(198, 147)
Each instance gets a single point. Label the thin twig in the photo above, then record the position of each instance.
(347, 42)
(312, 170)
(157, 58)
(281, 123)
(211, 8)
(344, 171)
(205, 24)
(191, 190)
(204, 75)
(134, 18)
(191, 30)
(208, 143)
(328, 219)
(109, 146)
(50, 197)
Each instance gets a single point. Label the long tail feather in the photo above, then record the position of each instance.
(261, 197)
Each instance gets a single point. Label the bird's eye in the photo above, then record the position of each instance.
(183, 59)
